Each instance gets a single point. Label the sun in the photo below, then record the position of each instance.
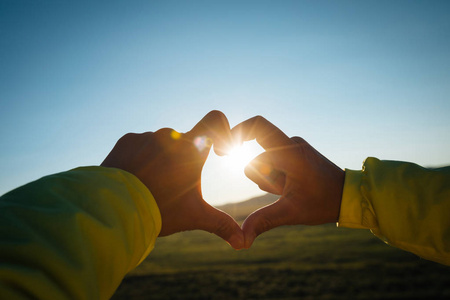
(223, 178)
(239, 156)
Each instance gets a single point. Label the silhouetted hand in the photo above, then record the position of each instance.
(170, 165)
(309, 184)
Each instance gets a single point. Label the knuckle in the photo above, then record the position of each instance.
(298, 140)
(216, 114)
(128, 137)
(167, 135)
(259, 118)
(147, 134)
(164, 131)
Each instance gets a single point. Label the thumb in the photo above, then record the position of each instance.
(222, 225)
(261, 171)
(264, 219)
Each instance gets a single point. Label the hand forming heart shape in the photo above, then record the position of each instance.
(170, 165)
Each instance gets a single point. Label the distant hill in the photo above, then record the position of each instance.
(240, 210)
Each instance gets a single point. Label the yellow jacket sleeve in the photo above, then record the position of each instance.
(74, 235)
(404, 204)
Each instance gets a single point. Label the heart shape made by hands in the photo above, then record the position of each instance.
(170, 164)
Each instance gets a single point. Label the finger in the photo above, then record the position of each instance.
(264, 219)
(163, 136)
(266, 134)
(222, 225)
(261, 171)
(304, 144)
(214, 127)
(299, 140)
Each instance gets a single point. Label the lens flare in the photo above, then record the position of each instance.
(175, 135)
(202, 142)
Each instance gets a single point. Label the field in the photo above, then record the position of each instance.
(292, 262)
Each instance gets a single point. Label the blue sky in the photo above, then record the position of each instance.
(354, 78)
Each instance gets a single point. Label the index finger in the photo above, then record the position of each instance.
(266, 134)
(213, 126)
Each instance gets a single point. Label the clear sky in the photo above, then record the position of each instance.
(354, 78)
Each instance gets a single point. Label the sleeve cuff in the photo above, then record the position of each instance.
(353, 205)
(146, 215)
(148, 212)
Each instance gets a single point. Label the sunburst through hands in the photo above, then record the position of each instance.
(240, 155)
(223, 178)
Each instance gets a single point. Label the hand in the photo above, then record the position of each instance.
(309, 184)
(170, 165)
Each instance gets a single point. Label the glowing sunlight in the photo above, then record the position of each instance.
(239, 157)
(223, 178)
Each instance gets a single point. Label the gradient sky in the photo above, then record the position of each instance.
(354, 78)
